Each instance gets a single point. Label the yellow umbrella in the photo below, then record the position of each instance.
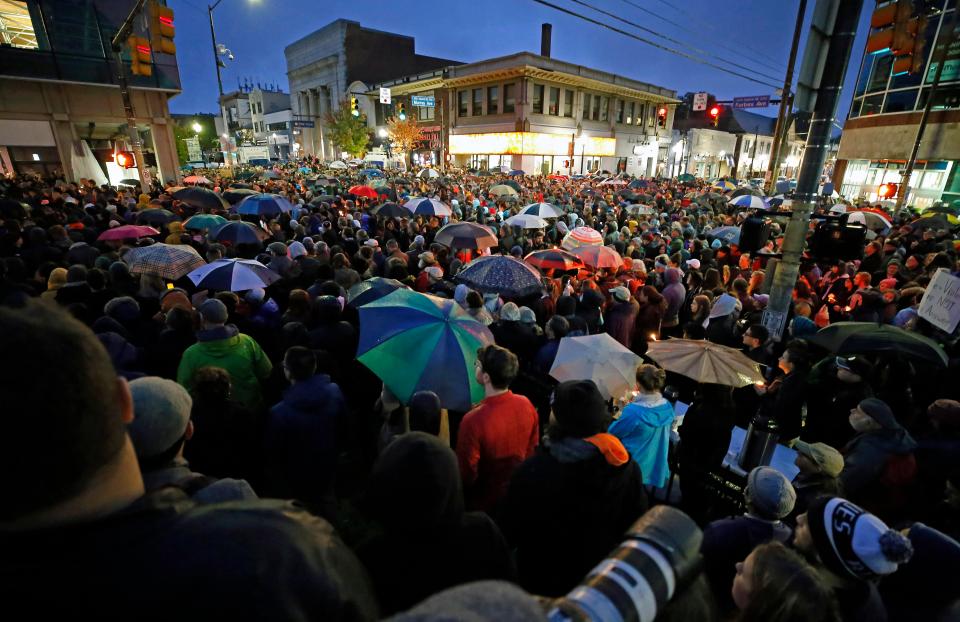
(705, 362)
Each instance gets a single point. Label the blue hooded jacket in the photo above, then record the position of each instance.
(644, 429)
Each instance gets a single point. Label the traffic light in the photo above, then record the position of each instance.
(401, 111)
(125, 159)
(141, 64)
(895, 29)
(662, 116)
(355, 106)
(714, 114)
(885, 191)
(161, 28)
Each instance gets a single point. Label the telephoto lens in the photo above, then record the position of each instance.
(659, 557)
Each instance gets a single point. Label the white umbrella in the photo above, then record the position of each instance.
(749, 201)
(527, 221)
(338, 164)
(600, 358)
(428, 173)
(839, 208)
(543, 210)
(636, 208)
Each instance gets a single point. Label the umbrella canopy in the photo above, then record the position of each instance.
(600, 358)
(543, 210)
(729, 235)
(746, 191)
(501, 190)
(235, 195)
(599, 256)
(372, 289)
(513, 185)
(870, 338)
(613, 182)
(724, 186)
(264, 205)
(156, 216)
(944, 208)
(414, 342)
(466, 235)
(558, 177)
(705, 361)
(527, 221)
(582, 236)
(749, 201)
(501, 274)
(870, 220)
(270, 175)
(169, 261)
(372, 172)
(126, 232)
(516, 173)
(428, 173)
(239, 185)
(390, 210)
(640, 183)
(554, 259)
(197, 179)
(685, 177)
(379, 184)
(337, 164)
(204, 222)
(363, 191)
(935, 221)
(636, 208)
(233, 275)
(202, 198)
(129, 182)
(427, 207)
(238, 232)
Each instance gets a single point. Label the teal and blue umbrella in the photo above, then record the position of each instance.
(263, 204)
(749, 201)
(372, 172)
(372, 289)
(233, 275)
(728, 235)
(501, 274)
(204, 222)
(415, 342)
(237, 232)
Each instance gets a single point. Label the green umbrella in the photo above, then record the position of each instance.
(685, 177)
(204, 221)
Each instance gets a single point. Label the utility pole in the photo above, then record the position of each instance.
(117, 45)
(836, 57)
(786, 99)
(947, 28)
(227, 154)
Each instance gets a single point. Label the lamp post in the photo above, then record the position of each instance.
(217, 52)
(197, 128)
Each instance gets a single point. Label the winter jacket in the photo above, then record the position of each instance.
(865, 458)
(235, 352)
(621, 320)
(675, 293)
(201, 488)
(644, 429)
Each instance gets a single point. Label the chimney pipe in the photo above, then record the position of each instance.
(546, 31)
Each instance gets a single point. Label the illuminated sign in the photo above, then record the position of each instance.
(530, 143)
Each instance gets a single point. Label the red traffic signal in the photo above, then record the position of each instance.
(887, 190)
(714, 114)
(125, 159)
(662, 116)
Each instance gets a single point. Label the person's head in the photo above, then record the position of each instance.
(211, 384)
(945, 417)
(650, 378)
(872, 414)
(213, 313)
(474, 300)
(818, 459)
(579, 410)
(510, 312)
(700, 304)
(496, 367)
(755, 336)
(161, 420)
(76, 429)
(299, 364)
(848, 541)
(853, 369)
(794, 357)
(769, 494)
(557, 327)
(424, 412)
(775, 584)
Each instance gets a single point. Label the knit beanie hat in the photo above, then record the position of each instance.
(579, 409)
(769, 493)
(161, 411)
(879, 412)
(854, 543)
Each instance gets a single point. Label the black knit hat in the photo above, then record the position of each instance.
(579, 409)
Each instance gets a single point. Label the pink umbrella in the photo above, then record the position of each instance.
(128, 232)
(599, 256)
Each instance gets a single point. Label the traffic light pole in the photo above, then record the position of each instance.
(783, 116)
(908, 172)
(815, 154)
(117, 46)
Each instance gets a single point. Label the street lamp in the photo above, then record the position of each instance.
(218, 51)
(382, 133)
(197, 127)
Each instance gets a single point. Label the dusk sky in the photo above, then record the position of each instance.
(752, 33)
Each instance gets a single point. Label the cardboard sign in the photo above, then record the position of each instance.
(941, 301)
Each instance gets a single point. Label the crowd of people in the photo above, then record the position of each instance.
(175, 449)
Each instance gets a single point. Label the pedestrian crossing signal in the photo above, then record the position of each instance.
(355, 106)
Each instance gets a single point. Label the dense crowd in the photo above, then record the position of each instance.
(184, 450)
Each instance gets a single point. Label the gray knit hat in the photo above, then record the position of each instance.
(769, 493)
(161, 411)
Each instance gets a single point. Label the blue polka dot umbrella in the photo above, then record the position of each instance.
(501, 274)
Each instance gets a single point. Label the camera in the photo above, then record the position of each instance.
(658, 558)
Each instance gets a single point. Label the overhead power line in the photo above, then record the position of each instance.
(672, 40)
(659, 46)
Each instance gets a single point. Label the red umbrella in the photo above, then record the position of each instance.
(363, 191)
(127, 232)
(599, 256)
(554, 258)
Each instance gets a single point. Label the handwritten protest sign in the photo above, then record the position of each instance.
(941, 301)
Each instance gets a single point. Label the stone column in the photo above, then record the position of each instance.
(311, 115)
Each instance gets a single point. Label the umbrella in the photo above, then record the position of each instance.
(870, 338)
(554, 259)
(337, 164)
(363, 191)
(239, 185)
(779, 201)
(558, 177)
(613, 182)
(502, 190)
(235, 195)
(934, 221)
(129, 182)
(705, 362)
(600, 358)
(944, 208)
(427, 207)
(527, 221)
(685, 177)
(513, 185)
(729, 235)
(639, 183)
(270, 175)
(582, 236)
(598, 257)
(746, 191)
(501, 274)
(204, 221)
(127, 232)
(156, 216)
(263, 205)
(202, 198)
(372, 289)
(749, 201)
(169, 261)
(636, 208)
(378, 184)
(196, 179)
(372, 172)
(246, 175)
(724, 186)
(238, 232)
(233, 275)
(466, 235)
(415, 342)
(390, 210)
(870, 220)
(543, 210)
(516, 173)
(428, 173)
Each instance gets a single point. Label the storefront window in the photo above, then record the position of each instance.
(538, 98)
(568, 96)
(493, 99)
(509, 97)
(554, 101)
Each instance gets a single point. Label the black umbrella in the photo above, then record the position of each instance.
(241, 186)
(156, 216)
(390, 210)
(870, 338)
(323, 198)
(202, 198)
(12, 209)
(129, 182)
(936, 222)
(235, 195)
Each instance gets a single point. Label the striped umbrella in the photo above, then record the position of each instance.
(527, 221)
(204, 222)
(582, 236)
(543, 210)
(501, 274)
(427, 207)
(871, 220)
(554, 259)
(599, 257)
(169, 261)
(127, 232)
(466, 235)
(749, 201)
(233, 275)
(264, 205)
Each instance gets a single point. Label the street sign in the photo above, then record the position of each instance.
(699, 101)
(384, 95)
(755, 101)
(193, 149)
(423, 101)
(303, 123)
